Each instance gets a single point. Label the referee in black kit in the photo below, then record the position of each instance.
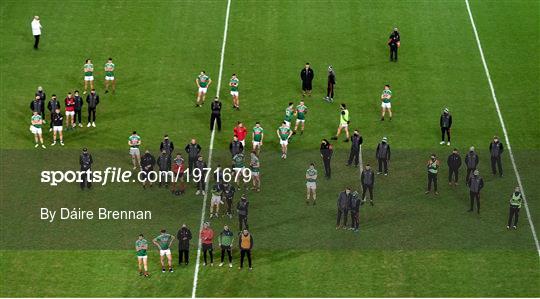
(215, 116)
(394, 43)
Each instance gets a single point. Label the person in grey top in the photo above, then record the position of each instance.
(446, 123)
(368, 180)
(471, 161)
(475, 183)
(343, 203)
(495, 150)
(383, 155)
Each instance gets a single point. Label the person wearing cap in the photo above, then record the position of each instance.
(85, 161)
(382, 154)
(242, 208)
(454, 163)
(184, 236)
(356, 143)
(36, 30)
(331, 82)
(343, 203)
(367, 179)
(354, 206)
(215, 114)
(475, 183)
(166, 145)
(226, 239)
(207, 240)
(471, 161)
(394, 41)
(432, 171)
(307, 75)
(496, 149)
(147, 166)
(446, 123)
(245, 243)
(52, 106)
(515, 205)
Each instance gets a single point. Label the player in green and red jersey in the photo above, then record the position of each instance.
(284, 134)
(257, 137)
(109, 75)
(238, 167)
(289, 114)
(35, 128)
(164, 242)
(234, 91)
(141, 246)
(255, 167)
(386, 99)
(88, 74)
(203, 81)
(301, 111)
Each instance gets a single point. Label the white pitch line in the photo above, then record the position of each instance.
(210, 151)
(501, 120)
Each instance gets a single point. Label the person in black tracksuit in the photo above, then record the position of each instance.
(326, 154)
(496, 149)
(394, 43)
(164, 163)
(242, 208)
(343, 203)
(38, 105)
(356, 143)
(43, 97)
(85, 161)
(475, 183)
(454, 163)
(52, 106)
(367, 178)
(228, 195)
(331, 83)
(79, 103)
(307, 75)
(167, 145)
(215, 115)
(147, 165)
(193, 149)
(471, 161)
(235, 147)
(183, 236)
(354, 206)
(445, 122)
(383, 156)
(92, 99)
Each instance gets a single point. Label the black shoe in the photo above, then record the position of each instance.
(470, 210)
(334, 138)
(302, 133)
(106, 91)
(371, 203)
(382, 118)
(346, 140)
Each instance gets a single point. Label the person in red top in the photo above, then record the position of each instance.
(241, 132)
(207, 239)
(178, 168)
(70, 111)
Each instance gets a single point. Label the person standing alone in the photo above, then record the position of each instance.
(515, 204)
(454, 163)
(394, 41)
(367, 178)
(36, 31)
(432, 170)
(215, 116)
(330, 86)
(307, 76)
(446, 123)
(496, 149)
(326, 155)
(383, 156)
(475, 183)
(356, 143)
(86, 161)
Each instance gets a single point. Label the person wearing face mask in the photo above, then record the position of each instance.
(226, 239)
(326, 154)
(496, 149)
(515, 204)
(432, 170)
(471, 161)
(368, 180)
(446, 123)
(394, 42)
(454, 163)
(343, 203)
(475, 183)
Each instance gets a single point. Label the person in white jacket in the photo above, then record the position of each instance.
(36, 31)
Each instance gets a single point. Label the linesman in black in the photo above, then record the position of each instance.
(85, 161)
(215, 116)
(330, 86)
(394, 43)
(307, 76)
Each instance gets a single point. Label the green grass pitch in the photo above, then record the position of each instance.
(409, 245)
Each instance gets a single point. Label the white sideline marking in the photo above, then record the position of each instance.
(501, 120)
(210, 150)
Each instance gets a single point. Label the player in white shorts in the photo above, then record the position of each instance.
(163, 242)
(284, 133)
(386, 102)
(203, 82)
(215, 201)
(311, 183)
(57, 122)
(234, 91)
(88, 74)
(109, 75)
(35, 128)
(141, 246)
